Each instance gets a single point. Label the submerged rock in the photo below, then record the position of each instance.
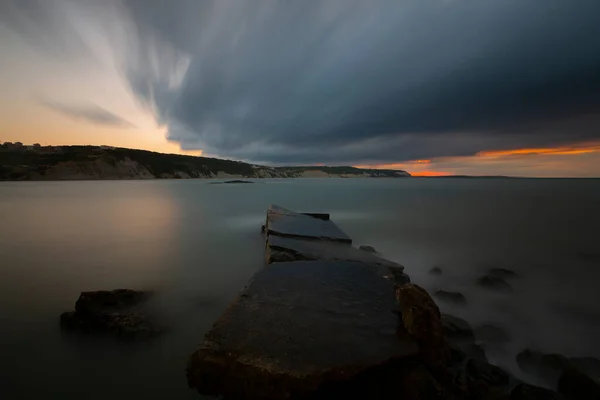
(115, 312)
(549, 367)
(492, 334)
(524, 391)
(546, 366)
(451, 297)
(368, 249)
(230, 182)
(456, 328)
(590, 365)
(503, 273)
(575, 385)
(461, 338)
(494, 283)
(435, 271)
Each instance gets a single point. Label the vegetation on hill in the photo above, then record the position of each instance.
(101, 162)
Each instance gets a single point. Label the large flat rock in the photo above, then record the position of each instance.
(300, 324)
(283, 222)
(323, 250)
(285, 249)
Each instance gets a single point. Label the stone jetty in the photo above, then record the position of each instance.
(326, 320)
(321, 312)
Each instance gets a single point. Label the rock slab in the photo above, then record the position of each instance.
(283, 222)
(297, 326)
(321, 314)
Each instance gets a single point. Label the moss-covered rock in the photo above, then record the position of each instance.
(421, 318)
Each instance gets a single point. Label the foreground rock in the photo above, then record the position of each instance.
(494, 283)
(116, 312)
(325, 320)
(298, 326)
(320, 318)
(451, 297)
(575, 385)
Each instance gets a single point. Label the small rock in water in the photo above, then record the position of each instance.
(456, 328)
(550, 366)
(546, 366)
(494, 283)
(451, 297)
(492, 334)
(503, 273)
(368, 249)
(237, 181)
(114, 312)
(435, 271)
(524, 391)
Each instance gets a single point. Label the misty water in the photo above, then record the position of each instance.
(197, 244)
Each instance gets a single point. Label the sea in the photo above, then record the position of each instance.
(196, 244)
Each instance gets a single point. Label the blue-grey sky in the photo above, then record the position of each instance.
(301, 82)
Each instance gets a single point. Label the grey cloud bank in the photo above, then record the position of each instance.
(348, 81)
(90, 113)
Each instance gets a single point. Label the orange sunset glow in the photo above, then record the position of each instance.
(431, 173)
(535, 151)
(501, 162)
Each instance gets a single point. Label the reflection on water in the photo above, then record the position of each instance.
(197, 244)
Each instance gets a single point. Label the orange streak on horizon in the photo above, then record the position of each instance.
(430, 173)
(540, 151)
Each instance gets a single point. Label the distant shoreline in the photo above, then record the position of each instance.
(60, 163)
(257, 180)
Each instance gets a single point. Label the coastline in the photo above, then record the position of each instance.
(59, 163)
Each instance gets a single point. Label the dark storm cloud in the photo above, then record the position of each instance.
(88, 113)
(353, 81)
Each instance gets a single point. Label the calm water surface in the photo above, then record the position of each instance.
(197, 244)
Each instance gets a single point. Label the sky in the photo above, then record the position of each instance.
(434, 87)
